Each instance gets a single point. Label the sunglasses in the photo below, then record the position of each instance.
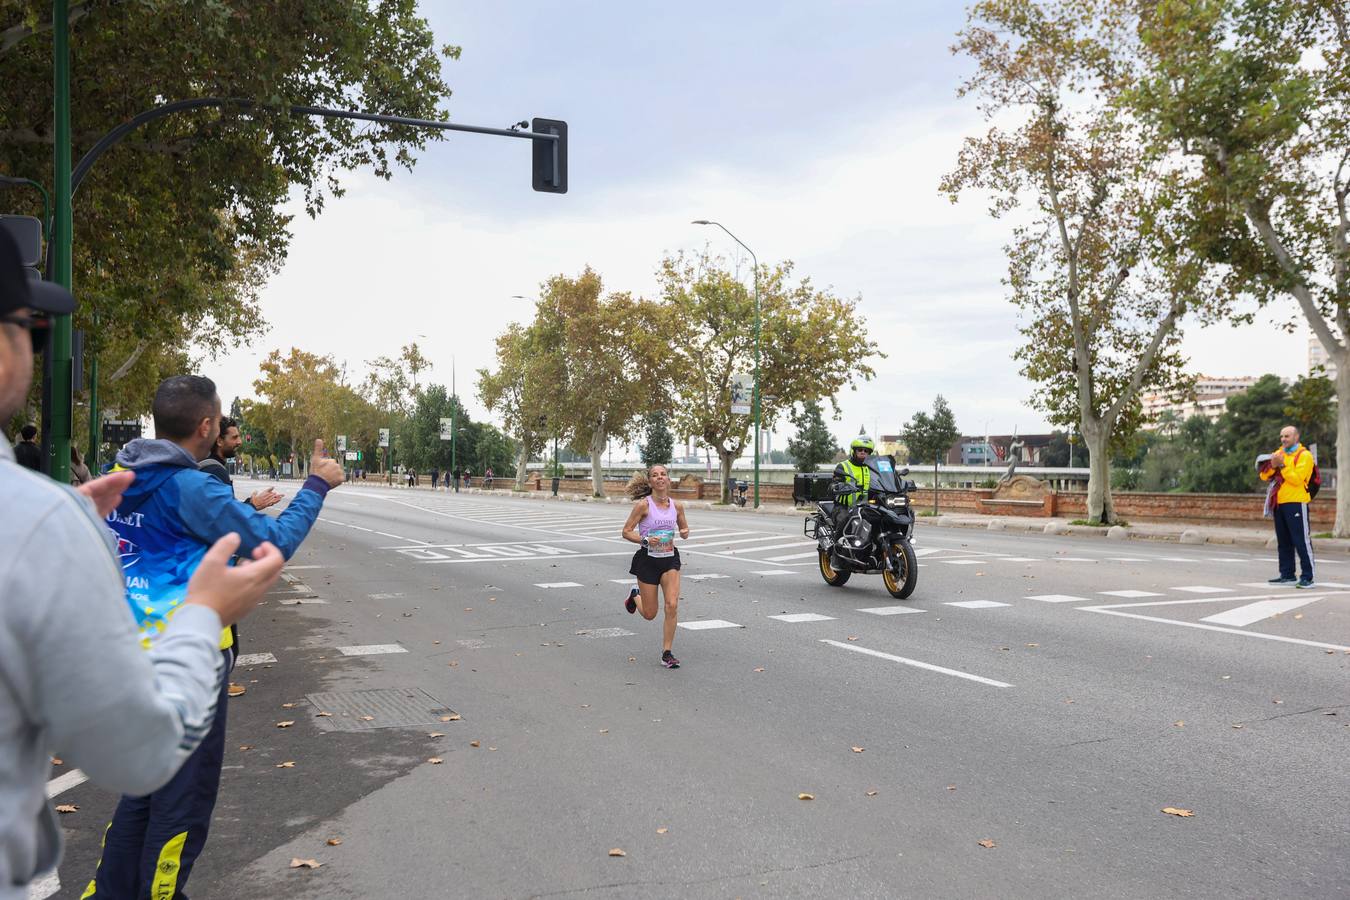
(36, 327)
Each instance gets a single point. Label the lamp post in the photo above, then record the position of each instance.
(755, 401)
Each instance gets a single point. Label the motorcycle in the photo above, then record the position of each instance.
(873, 536)
(738, 496)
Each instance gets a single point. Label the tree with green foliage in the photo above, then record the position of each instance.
(813, 444)
(529, 368)
(929, 437)
(1258, 95)
(660, 444)
(812, 344)
(1312, 410)
(1096, 264)
(178, 226)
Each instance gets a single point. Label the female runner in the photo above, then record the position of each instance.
(653, 522)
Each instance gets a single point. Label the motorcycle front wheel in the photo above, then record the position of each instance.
(833, 577)
(903, 574)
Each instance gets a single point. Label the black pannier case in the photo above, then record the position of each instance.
(808, 487)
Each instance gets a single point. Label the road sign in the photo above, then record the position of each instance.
(351, 456)
(447, 429)
(742, 387)
(342, 443)
(384, 437)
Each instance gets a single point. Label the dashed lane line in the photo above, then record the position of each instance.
(1129, 595)
(371, 649)
(549, 585)
(955, 673)
(774, 572)
(709, 624)
(890, 610)
(62, 783)
(1059, 598)
(1203, 589)
(797, 618)
(975, 604)
(812, 554)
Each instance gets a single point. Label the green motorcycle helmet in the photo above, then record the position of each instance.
(862, 442)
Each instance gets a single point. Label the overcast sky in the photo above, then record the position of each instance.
(815, 133)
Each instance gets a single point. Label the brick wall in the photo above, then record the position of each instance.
(1215, 509)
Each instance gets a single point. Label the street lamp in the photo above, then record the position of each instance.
(755, 401)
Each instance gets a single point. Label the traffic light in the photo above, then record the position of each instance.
(550, 157)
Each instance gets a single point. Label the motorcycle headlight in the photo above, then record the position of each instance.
(898, 501)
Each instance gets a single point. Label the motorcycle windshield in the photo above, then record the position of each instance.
(884, 476)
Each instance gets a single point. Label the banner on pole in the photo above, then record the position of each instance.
(742, 388)
(384, 437)
(351, 456)
(447, 429)
(342, 443)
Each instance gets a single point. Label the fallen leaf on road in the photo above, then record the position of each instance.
(435, 760)
(852, 637)
(604, 731)
(66, 808)
(806, 796)
(435, 642)
(951, 787)
(662, 830)
(1033, 645)
(288, 764)
(987, 844)
(58, 762)
(857, 749)
(492, 748)
(468, 609)
(452, 663)
(323, 715)
(236, 689)
(473, 743)
(453, 717)
(1298, 615)
(436, 734)
(367, 718)
(245, 746)
(1237, 724)
(632, 659)
(288, 706)
(298, 863)
(871, 793)
(760, 669)
(1180, 723)
(333, 842)
(1277, 702)
(617, 852)
(1225, 677)
(585, 706)
(1173, 811)
(287, 724)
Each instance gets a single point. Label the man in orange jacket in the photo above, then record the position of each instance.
(1292, 467)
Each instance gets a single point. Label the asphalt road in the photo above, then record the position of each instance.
(1047, 695)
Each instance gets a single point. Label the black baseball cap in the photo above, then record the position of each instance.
(19, 289)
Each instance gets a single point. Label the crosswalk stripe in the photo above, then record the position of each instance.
(707, 624)
(549, 585)
(795, 618)
(1204, 589)
(790, 556)
(1261, 609)
(976, 604)
(890, 610)
(1059, 598)
(1130, 594)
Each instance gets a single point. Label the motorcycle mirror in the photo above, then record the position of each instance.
(902, 471)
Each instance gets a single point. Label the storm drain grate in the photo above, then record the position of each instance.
(385, 708)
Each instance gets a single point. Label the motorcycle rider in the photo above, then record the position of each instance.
(855, 470)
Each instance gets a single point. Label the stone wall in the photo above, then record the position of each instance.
(1213, 509)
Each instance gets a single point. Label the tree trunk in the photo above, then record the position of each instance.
(724, 460)
(1342, 528)
(597, 449)
(1097, 436)
(522, 459)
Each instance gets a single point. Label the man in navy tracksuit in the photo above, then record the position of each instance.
(164, 525)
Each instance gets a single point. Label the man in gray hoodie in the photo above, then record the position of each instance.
(73, 676)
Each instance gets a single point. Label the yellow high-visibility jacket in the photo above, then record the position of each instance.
(1296, 473)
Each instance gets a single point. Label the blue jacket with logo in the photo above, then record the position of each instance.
(173, 512)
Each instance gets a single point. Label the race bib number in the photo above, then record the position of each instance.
(661, 543)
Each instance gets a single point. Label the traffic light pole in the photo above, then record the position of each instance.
(57, 429)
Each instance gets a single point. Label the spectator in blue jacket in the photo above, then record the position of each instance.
(167, 519)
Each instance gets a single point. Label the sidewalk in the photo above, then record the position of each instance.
(1257, 534)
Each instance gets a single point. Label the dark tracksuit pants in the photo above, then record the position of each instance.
(1292, 535)
(153, 841)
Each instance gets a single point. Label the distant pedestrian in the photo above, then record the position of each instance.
(487, 478)
(435, 477)
(653, 523)
(468, 477)
(26, 452)
(79, 472)
(1290, 469)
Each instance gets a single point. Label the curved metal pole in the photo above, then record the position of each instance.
(755, 260)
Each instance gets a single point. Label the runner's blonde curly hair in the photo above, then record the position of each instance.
(640, 484)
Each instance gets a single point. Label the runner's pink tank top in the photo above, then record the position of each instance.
(658, 528)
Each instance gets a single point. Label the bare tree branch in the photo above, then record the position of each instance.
(16, 33)
(1299, 288)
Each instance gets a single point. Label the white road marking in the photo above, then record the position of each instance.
(254, 659)
(749, 540)
(605, 632)
(44, 887)
(297, 601)
(62, 783)
(289, 568)
(1230, 559)
(1130, 595)
(628, 580)
(1253, 634)
(1204, 589)
(1125, 559)
(794, 618)
(372, 649)
(705, 577)
(1271, 587)
(964, 562)
(927, 551)
(790, 556)
(1059, 598)
(706, 624)
(1016, 559)
(549, 585)
(397, 537)
(772, 572)
(758, 549)
(1177, 559)
(976, 604)
(1261, 609)
(1072, 559)
(392, 596)
(918, 665)
(890, 610)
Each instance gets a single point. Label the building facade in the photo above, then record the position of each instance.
(1210, 400)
